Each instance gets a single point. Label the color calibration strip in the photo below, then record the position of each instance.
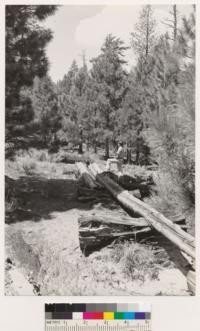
(97, 312)
(99, 316)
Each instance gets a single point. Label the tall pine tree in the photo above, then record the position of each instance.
(25, 57)
(46, 111)
(143, 38)
(109, 78)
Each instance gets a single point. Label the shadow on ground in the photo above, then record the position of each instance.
(36, 198)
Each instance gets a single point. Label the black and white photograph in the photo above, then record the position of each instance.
(100, 150)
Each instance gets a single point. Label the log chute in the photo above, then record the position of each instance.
(154, 218)
(100, 229)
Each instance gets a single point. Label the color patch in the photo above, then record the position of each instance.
(61, 315)
(140, 316)
(129, 316)
(77, 316)
(93, 316)
(108, 316)
(87, 316)
(119, 316)
(147, 316)
(98, 316)
(122, 307)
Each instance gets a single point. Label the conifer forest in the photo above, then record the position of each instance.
(73, 227)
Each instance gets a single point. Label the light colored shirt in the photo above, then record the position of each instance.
(120, 153)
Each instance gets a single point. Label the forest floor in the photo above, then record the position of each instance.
(43, 256)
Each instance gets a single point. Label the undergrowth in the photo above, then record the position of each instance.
(137, 261)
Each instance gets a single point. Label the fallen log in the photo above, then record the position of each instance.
(191, 280)
(95, 232)
(144, 185)
(155, 219)
(97, 193)
(136, 193)
(114, 220)
(86, 175)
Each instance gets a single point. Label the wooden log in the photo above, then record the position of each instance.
(98, 194)
(85, 174)
(105, 233)
(191, 281)
(112, 220)
(132, 183)
(95, 231)
(155, 219)
(93, 241)
(136, 193)
(94, 234)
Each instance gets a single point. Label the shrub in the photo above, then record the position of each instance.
(25, 164)
(29, 167)
(137, 261)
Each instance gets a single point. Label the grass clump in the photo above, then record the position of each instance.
(29, 166)
(137, 262)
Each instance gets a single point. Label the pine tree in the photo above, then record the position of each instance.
(71, 91)
(46, 110)
(25, 56)
(110, 80)
(89, 114)
(67, 82)
(187, 38)
(172, 22)
(171, 128)
(144, 37)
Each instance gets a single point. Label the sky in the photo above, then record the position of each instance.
(82, 29)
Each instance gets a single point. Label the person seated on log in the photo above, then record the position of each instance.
(118, 160)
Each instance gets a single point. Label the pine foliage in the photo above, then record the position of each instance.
(25, 56)
(171, 129)
(151, 108)
(109, 79)
(144, 37)
(46, 110)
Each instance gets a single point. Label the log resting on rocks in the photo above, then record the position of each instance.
(159, 222)
(95, 230)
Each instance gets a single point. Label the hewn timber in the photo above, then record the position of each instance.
(155, 219)
(100, 229)
(96, 193)
(86, 175)
(95, 231)
(114, 220)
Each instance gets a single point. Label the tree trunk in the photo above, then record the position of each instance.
(137, 151)
(107, 148)
(171, 231)
(147, 35)
(80, 148)
(95, 147)
(175, 21)
(128, 153)
(97, 231)
(88, 180)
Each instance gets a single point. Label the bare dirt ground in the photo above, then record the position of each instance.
(43, 256)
